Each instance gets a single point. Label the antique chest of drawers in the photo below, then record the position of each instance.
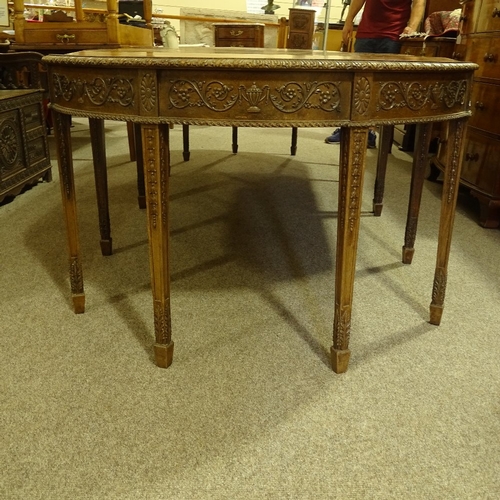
(24, 152)
(239, 34)
(479, 42)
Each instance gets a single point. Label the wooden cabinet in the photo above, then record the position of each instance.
(300, 29)
(239, 34)
(479, 42)
(78, 28)
(24, 152)
(430, 47)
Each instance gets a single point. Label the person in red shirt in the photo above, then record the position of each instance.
(379, 31)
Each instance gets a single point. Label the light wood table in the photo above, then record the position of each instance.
(261, 88)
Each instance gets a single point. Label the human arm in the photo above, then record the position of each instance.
(354, 8)
(417, 12)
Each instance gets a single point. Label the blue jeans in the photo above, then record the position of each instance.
(377, 45)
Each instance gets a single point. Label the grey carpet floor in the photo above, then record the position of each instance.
(250, 408)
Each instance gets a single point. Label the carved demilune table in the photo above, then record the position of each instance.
(260, 88)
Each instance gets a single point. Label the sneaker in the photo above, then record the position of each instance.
(372, 139)
(334, 138)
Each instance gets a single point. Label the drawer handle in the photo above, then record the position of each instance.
(457, 56)
(479, 105)
(490, 57)
(463, 18)
(236, 32)
(65, 37)
(495, 13)
(472, 157)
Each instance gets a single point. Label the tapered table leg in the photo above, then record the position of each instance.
(141, 190)
(234, 139)
(62, 134)
(384, 146)
(352, 168)
(293, 145)
(155, 151)
(185, 143)
(101, 182)
(420, 160)
(455, 153)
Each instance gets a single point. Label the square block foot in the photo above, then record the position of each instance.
(340, 359)
(436, 313)
(164, 354)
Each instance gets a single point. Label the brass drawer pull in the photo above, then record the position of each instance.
(65, 37)
(458, 56)
(490, 58)
(472, 157)
(479, 105)
(495, 13)
(236, 32)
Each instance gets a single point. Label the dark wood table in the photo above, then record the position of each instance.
(260, 88)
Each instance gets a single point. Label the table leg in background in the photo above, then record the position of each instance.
(101, 182)
(420, 161)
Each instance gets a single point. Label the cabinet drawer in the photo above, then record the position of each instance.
(419, 49)
(485, 101)
(469, 16)
(32, 117)
(235, 43)
(239, 34)
(67, 35)
(486, 52)
(480, 167)
(489, 16)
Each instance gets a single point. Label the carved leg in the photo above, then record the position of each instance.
(384, 146)
(448, 203)
(185, 142)
(352, 168)
(293, 146)
(422, 141)
(101, 183)
(141, 190)
(155, 150)
(235, 139)
(62, 133)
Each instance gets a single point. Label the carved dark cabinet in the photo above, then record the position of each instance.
(24, 152)
(300, 29)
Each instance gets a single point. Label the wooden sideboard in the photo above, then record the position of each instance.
(78, 28)
(479, 42)
(239, 34)
(24, 152)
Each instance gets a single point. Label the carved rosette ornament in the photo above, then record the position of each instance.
(148, 92)
(362, 94)
(416, 95)
(288, 98)
(10, 144)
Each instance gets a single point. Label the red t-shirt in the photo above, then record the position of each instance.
(384, 19)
